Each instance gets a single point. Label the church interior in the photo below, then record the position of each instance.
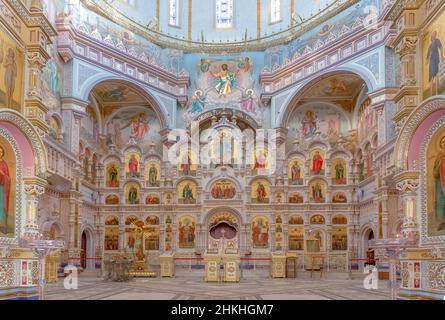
(150, 149)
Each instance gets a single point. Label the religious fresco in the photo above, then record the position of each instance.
(260, 191)
(260, 232)
(316, 241)
(338, 169)
(433, 57)
(112, 199)
(135, 240)
(339, 197)
(152, 220)
(134, 125)
(111, 241)
(151, 233)
(11, 73)
(132, 193)
(339, 219)
(296, 198)
(151, 238)
(296, 238)
(317, 192)
(8, 193)
(436, 184)
(296, 172)
(339, 239)
(187, 192)
(186, 232)
(317, 219)
(152, 199)
(224, 84)
(153, 174)
(112, 175)
(296, 219)
(223, 189)
(132, 165)
(318, 121)
(141, 236)
(317, 162)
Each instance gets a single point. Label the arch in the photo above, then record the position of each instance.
(295, 154)
(318, 177)
(133, 149)
(109, 158)
(48, 225)
(289, 103)
(261, 177)
(151, 156)
(178, 182)
(364, 236)
(56, 116)
(19, 125)
(88, 231)
(159, 109)
(426, 113)
(95, 106)
(211, 212)
(336, 153)
(318, 144)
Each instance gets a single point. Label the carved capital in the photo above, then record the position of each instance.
(34, 190)
(36, 60)
(407, 45)
(408, 185)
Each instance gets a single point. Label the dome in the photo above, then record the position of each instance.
(218, 25)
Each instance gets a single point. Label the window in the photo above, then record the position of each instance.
(224, 13)
(275, 11)
(174, 13)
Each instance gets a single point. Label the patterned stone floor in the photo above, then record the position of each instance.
(190, 286)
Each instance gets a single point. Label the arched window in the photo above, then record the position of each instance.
(275, 11)
(224, 13)
(174, 13)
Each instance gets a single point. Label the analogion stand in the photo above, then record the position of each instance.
(167, 262)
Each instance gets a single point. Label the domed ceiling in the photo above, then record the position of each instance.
(218, 25)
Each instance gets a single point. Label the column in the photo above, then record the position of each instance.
(408, 188)
(34, 188)
(73, 110)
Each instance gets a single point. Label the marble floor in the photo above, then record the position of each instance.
(190, 286)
